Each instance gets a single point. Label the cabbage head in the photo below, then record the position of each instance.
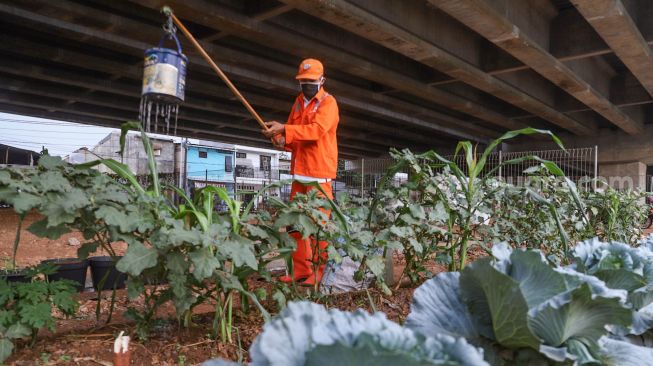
(519, 309)
(307, 334)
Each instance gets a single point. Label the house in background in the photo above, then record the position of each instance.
(134, 155)
(208, 163)
(14, 156)
(256, 168)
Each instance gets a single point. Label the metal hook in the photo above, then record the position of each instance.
(169, 26)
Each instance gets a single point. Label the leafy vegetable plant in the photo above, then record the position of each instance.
(463, 192)
(27, 307)
(520, 309)
(308, 334)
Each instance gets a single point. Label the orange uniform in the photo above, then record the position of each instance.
(311, 136)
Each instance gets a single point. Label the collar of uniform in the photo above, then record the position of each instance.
(317, 96)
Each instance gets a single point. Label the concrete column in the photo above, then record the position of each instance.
(624, 175)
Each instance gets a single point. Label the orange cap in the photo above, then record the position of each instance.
(310, 69)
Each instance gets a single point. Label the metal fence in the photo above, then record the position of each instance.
(360, 178)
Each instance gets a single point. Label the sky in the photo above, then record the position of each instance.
(60, 138)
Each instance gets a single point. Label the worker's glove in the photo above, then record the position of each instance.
(279, 141)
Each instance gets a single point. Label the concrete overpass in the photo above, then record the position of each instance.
(410, 73)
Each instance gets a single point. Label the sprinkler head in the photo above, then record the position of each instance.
(167, 11)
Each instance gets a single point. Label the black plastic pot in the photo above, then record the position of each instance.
(15, 276)
(73, 269)
(100, 266)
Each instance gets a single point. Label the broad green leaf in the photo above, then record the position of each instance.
(580, 316)
(204, 263)
(137, 258)
(17, 330)
(135, 287)
(622, 353)
(537, 280)
(51, 181)
(86, 249)
(40, 228)
(5, 176)
(24, 202)
(497, 305)
(376, 264)
(336, 337)
(437, 308)
(115, 217)
(175, 262)
(51, 162)
(63, 208)
(6, 348)
(240, 250)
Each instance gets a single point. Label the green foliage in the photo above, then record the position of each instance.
(523, 311)
(337, 337)
(548, 213)
(27, 307)
(461, 190)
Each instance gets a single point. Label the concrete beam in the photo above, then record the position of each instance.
(220, 120)
(140, 34)
(111, 113)
(377, 28)
(485, 19)
(212, 15)
(63, 77)
(612, 22)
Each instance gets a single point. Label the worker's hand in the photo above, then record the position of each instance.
(274, 128)
(279, 142)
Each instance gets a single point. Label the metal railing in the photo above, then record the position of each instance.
(360, 178)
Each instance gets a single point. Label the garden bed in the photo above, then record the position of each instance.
(79, 341)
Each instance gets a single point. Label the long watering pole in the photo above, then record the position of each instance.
(168, 12)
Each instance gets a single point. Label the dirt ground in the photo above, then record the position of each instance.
(32, 249)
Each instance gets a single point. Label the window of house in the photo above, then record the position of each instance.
(266, 161)
(156, 149)
(203, 154)
(228, 164)
(240, 155)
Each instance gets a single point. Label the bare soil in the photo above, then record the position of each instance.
(32, 249)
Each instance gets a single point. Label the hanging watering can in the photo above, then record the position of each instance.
(164, 75)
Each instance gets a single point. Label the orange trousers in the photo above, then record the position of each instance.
(303, 257)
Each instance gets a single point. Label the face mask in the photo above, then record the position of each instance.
(310, 89)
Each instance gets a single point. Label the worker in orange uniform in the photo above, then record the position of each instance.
(310, 134)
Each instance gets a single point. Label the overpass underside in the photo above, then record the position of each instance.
(414, 73)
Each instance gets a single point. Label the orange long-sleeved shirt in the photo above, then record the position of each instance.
(311, 136)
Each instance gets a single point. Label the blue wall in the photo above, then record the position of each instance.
(214, 163)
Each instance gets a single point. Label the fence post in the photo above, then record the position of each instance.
(596, 166)
(362, 176)
(500, 167)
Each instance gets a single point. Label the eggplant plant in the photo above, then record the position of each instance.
(462, 190)
(307, 334)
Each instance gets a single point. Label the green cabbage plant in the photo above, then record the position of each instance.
(621, 266)
(523, 311)
(308, 334)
